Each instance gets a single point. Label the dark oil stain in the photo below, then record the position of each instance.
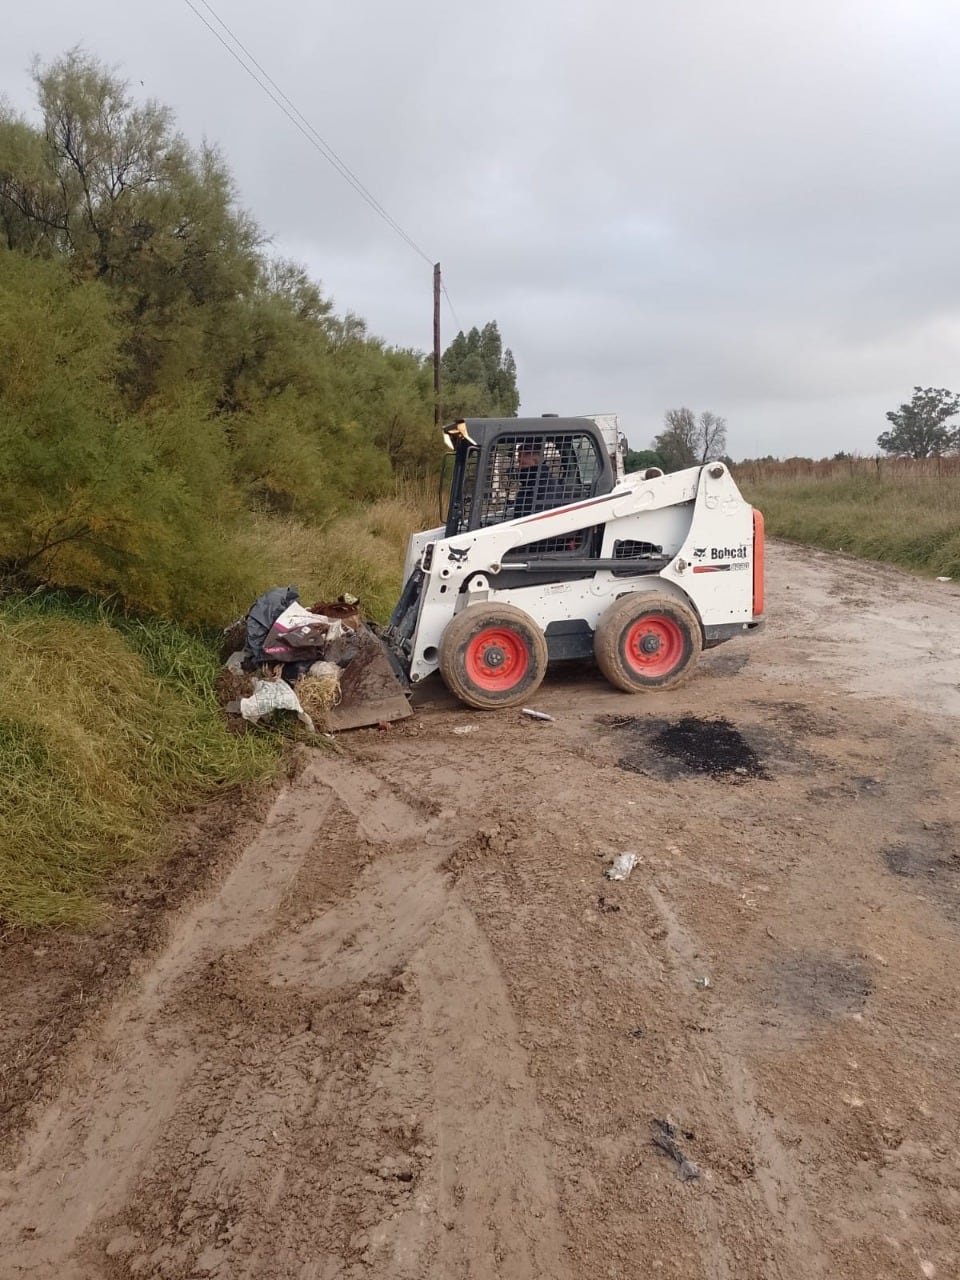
(691, 745)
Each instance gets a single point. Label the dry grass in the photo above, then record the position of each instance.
(901, 512)
(318, 693)
(361, 553)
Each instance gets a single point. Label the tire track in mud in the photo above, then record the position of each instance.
(778, 1196)
(604, 1003)
(512, 884)
(124, 1084)
(416, 1033)
(765, 1072)
(317, 1075)
(495, 1196)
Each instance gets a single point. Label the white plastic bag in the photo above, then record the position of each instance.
(273, 695)
(622, 865)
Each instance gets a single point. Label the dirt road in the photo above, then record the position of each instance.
(414, 1032)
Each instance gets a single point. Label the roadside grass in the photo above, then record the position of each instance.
(903, 514)
(107, 725)
(109, 722)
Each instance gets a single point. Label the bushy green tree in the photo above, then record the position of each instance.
(135, 503)
(923, 427)
(640, 459)
(478, 378)
(162, 376)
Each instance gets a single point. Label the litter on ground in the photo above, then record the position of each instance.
(665, 1137)
(621, 866)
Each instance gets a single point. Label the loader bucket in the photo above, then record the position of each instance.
(370, 690)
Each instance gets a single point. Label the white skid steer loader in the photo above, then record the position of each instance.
(550, 552)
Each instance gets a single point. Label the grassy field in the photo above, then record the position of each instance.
(898, 511)
(109, 724)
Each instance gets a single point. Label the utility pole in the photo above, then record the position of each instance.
(436, 344)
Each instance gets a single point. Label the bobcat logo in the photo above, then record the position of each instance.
(699, 552)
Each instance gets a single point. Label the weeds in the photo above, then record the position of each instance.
(362, 553)
(106, 726)
(898, 513)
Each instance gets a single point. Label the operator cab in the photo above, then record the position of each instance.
(515, 468)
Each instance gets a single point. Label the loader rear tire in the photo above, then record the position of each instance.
(492, 655)
(647, 642)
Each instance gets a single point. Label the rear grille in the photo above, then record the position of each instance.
(629, 549)
(570, 543)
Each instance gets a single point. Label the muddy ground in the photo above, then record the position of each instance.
(410, 1030)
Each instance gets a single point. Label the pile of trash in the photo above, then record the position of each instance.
(284, 657)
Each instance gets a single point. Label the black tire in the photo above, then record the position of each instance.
(646, 641)
(492, 655)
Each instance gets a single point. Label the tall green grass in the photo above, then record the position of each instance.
(107, 725)
(901, 514)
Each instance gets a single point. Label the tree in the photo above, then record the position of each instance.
(112, 186)
(95, 496)
(478, 378)
(676, 442)
(687, 440)
(165, 383)
(640, 459)
(920, 427)
(711, 437)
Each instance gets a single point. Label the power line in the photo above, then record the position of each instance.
(453, 310)
(299, 120)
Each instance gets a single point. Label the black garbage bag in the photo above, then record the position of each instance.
(294, 671)
(344, 650)
(263, 613)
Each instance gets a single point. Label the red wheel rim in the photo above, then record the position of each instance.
(654, 646)
(496, 659)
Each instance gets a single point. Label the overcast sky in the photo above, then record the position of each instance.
(748, 206)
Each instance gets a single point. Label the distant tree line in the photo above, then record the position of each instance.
(163, 375)
(923, 427)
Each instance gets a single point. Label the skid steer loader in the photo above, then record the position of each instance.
(550, 552)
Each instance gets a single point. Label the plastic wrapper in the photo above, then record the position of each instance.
(269, 696)
(621, 866)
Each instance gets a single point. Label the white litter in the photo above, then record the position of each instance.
(944, 579)
(273, 695)
(465, 728)
(324, 670)
(535, 715)
(621, 866)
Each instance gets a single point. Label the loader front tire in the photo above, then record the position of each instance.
(646, 641)
(492, 656)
